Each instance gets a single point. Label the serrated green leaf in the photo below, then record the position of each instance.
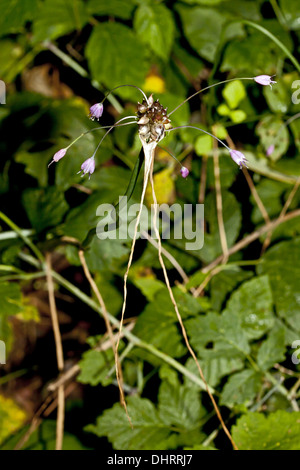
(272, 349)
(94, 367)
(241, 388)
(253, 303)
(278, 431)
(284, 274)
(223, 283)
(149, 431)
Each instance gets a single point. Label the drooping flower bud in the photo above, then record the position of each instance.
(96, 111)
(264, 80)
(88, 166)
(184, 172)
(270, 150)
(58, 155)
(239, 158)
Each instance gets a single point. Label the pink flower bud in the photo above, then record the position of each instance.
(270, 150)
(96, 111)
(264, 80)
(58, 155)
(184, 172)
(239, 158)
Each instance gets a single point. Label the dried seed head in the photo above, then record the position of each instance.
(153, 120)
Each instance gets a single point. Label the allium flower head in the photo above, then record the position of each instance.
(88, 166)
(96, 111)
(58, 155)
(264, 80)
(239, 158)
(184, 172)
(270, 150)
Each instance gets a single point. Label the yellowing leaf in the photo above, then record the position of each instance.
(164, 188)
(11, 417)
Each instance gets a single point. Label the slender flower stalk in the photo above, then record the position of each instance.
(184, 171)
(223, 82)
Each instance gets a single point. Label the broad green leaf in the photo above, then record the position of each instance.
(102, 253)
(154, 25)
(55, 18)
(278, 431)
(278, 98)
(253, 303)
(14, 13)
(272, 350)
(94, 367)
(234, 93)
(218, 336)
(117, 8)
(203, 145)
(44, 207)
(241, 388)
(179, 405)
(203, 28)
(149, 430)
(215, 368)
(36, 164)
(255, 54)
(10, 55)
(115, 55)
(161, 311)
(149, 286)
(280, 263)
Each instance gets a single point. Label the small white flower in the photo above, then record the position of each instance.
(264, 80)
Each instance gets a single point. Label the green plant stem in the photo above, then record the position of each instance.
(275, 40)
(20, 232)
(12, 234)
(131, 337)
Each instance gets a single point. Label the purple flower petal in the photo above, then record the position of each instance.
(88, 166)
(239, 158)
(96, 111)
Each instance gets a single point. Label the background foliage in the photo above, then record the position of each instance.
(58, 57)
